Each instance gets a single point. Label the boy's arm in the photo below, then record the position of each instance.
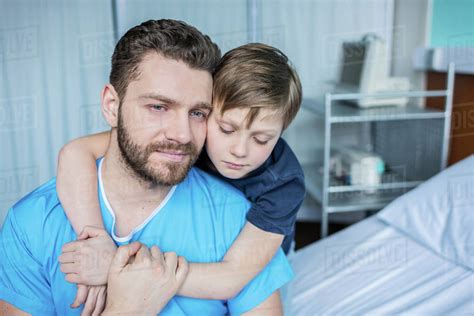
(76, 181)
(249, 254)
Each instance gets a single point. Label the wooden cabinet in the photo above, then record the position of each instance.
(462, 118)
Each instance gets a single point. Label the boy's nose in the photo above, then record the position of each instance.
(239, 149)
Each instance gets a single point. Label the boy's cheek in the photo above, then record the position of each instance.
(213, 136)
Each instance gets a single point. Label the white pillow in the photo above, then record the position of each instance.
(440, 213)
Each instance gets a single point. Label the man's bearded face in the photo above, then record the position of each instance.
(137, 157)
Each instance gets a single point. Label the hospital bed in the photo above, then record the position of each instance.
(415, 257)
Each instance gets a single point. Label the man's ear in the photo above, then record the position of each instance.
(110, 105)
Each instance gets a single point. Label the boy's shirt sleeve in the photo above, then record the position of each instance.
(275, 210)
(276, 274)
(23, 281)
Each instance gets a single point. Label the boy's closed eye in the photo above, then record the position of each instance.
(260, 142)
(226, 130)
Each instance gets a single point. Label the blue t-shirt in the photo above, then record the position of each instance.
(276, 190)
(199, 219)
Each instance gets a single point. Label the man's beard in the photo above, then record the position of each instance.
(136, 158)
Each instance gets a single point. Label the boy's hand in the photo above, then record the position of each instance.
(87, 260)
(142, 281)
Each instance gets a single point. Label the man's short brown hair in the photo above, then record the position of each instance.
(257, 76)
(169, 38)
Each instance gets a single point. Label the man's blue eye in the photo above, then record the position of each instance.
(199, 114)
(157, 107)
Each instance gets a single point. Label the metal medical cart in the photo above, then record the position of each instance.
(412, 140)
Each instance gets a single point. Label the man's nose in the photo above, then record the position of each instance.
(239, 148)
(179, 129)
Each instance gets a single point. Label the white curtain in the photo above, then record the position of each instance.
(54, 59)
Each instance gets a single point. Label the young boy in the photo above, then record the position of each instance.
(256, 95)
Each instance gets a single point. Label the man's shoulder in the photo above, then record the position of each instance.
(213, 209)
(215, 198)
(44, 197)
(201, 180)
(38, 205)
(38, 217)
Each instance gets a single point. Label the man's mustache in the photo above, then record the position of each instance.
(187, 149)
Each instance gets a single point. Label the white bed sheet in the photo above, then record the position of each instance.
(371, 268)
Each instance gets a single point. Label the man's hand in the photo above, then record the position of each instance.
(142, 281)
(88, 259)
(94, 298)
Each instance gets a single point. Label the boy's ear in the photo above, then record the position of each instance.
(110, 105)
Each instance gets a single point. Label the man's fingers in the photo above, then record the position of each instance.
(171, 261)
(81, 295)
(157, 255)
(71, 246)
(83, 235)
(155, 252)
(122, 256)
(182, 270)
(91, 300)
(91, 231)
(143, 255)
(69, 268)
(100, 303)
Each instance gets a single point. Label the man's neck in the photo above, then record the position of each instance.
(132, 199)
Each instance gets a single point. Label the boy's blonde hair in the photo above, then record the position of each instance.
(257, 76)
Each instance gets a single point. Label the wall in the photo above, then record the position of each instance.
(452, 23)
(411, 30)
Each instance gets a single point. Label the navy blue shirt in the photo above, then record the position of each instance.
(276, 190)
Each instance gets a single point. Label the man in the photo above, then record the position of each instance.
(156, 104)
